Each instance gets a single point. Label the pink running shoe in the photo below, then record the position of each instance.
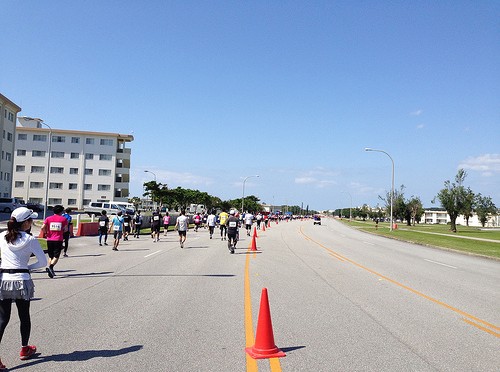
(27, 352)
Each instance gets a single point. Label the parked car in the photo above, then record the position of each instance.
(95, 208)
(7, 205)
(316, 220)
(37, 207)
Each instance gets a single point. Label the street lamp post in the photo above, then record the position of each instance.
(47, 170)
(350, 207)
(154, 175)
(392, 186)
(243, 196)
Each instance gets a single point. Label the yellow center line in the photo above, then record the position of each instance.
(249, 334)
(275, 365)
(249, 338)
(414, 291)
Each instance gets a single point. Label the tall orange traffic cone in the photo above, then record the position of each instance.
(254, 244)
(264, 346)
(255, 232)
(264, 226)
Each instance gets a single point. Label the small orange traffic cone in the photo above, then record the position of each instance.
(264, 346)
(255, 232)
(264, 226)
(254, 244)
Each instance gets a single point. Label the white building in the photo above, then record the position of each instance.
(442, 217)
(8, 115)
(82, 167)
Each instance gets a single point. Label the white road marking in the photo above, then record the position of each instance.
(151, 254)
(368, 243)
(439, 263)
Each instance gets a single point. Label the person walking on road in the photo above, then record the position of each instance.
(156, 225)
(117, 226)
(127, 222)
(211, 219)
(258, 218)
(53, 230)
(137, 224)
(182, 226)
(103, 227)
(16, 285)
(248, 222)
(166, 223)
(67, 232)
(223, 216)
(232, 231)
(197, 221)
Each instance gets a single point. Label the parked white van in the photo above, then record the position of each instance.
(7, 205)
(129, 207)
(95, 208)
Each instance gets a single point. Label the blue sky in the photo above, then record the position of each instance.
(214, 91)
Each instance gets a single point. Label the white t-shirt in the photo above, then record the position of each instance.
(182, 223)
(211, 220)
(248, 219)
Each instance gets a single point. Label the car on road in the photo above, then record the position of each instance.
(316, 220)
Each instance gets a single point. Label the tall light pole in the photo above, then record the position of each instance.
(47, 170)
(152, 199)
(392, 187)
(350, 208)
(243, 196)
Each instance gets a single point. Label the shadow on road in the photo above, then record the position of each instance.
(78, 356)
(291, 348)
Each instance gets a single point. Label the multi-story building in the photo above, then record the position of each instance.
(69, 167)
(441, 216)
(8, 115)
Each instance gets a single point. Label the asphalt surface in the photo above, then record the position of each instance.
(340, 300)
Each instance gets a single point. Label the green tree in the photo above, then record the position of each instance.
(398, 203)
(152, 189)
(452, 197)
(468, 208)
(414, 209)
(136, 201)
(484, 208)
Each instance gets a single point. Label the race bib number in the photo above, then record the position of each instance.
(116, 228)
(232, 224)
(156, 218)
(102, 223)
(55, 226)
(125, 223)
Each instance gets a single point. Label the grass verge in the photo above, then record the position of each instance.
(427, 235)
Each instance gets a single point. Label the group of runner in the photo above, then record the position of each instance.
(123, 224)
(17, 245)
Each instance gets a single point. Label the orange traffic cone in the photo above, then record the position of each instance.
(255, 232)
(264, 226)
(254, 244)
(264, 346)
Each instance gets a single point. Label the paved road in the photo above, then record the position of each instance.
(340, 300)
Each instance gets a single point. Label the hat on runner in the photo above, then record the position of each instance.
(232, 211)
(22, 214)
